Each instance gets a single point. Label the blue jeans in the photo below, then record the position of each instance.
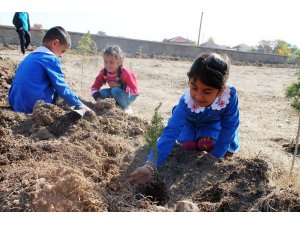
(122, 98)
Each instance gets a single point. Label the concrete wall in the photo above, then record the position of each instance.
(132, 46)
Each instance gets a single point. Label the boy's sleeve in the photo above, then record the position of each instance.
(170, 134)
(98, 83)
(229, 125)
(58, 81)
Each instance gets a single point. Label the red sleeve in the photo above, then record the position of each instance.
(99, 81)
(129, 78)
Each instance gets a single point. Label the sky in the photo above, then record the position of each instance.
(228, 22)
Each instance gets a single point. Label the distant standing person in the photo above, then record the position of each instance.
(121, 81)
(22, 24)
(39, 76)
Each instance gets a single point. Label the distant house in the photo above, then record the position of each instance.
(180, 41)
(210, 44)
(242, 47)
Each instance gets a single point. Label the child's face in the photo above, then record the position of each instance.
(56, 48)
(59, 50)
(111, 63)
(202, 94)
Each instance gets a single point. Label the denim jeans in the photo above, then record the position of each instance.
(122, 98)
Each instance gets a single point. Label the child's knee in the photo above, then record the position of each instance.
(115, 92)
(190, 146)
(104, 93)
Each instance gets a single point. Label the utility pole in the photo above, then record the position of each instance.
(200, 29)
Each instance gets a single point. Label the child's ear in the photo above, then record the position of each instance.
(55, 42)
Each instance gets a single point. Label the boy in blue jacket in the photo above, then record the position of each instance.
(40, 77)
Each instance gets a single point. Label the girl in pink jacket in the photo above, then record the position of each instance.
(121, 81)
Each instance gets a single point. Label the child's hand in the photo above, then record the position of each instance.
(141, 175)
(204, 154)
(87, 108)
(114, 84)
(79, 109)
(97, 95)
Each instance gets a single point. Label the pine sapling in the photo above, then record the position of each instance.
(293, 92)
(86, 45)
(154, 131)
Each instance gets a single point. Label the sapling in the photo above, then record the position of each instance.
(154, 131)
(86, 45)
(293, 92)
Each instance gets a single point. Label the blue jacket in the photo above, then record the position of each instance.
(188, 122)
(21, 21)
(38, 77)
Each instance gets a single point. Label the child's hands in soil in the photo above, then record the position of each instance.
(203, 154)
(141, 175)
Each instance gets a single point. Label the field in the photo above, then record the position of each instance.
(51, 160)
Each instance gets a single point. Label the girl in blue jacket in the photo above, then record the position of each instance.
(40, 77)
(206, 118)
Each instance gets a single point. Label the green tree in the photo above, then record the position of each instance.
(295, 49)
(87, 45)
(253, 49)
(282, 47)
(297, 52)
(294, 58)
(293, 92)
(154, 130)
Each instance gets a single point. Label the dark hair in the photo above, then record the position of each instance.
(58, 33)
(115, 51)
(211, 69)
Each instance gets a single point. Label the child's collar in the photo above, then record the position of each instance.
(43, 49)
(220, 102)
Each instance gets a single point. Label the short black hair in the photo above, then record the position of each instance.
(58, 33)
(211, 69)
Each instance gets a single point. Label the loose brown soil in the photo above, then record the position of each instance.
(52, 160)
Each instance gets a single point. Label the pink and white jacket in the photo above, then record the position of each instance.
(127, 76)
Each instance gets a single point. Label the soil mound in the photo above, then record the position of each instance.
(51, 160)
(7, 71)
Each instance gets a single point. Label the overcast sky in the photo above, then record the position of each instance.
(229, 22)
